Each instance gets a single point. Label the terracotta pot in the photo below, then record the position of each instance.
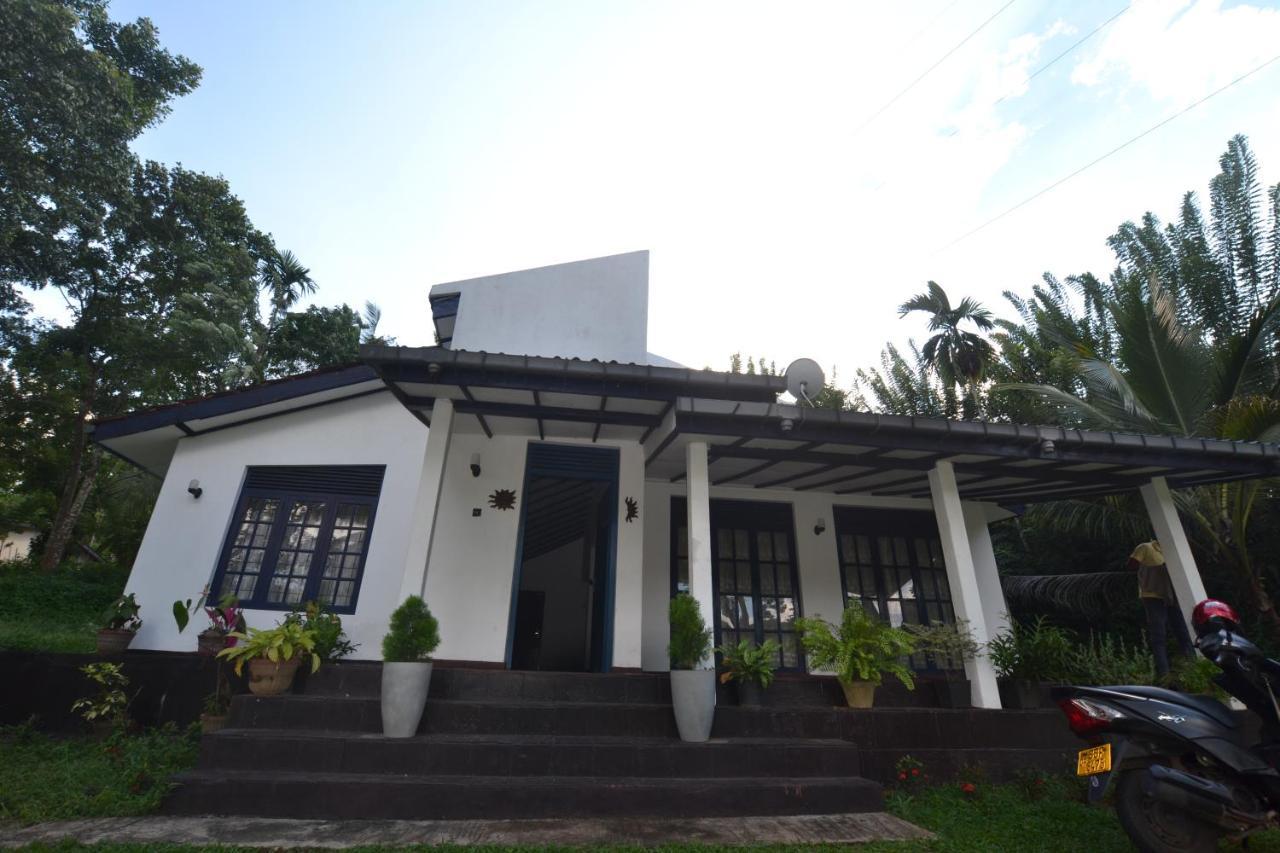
(210, 723)
(210, 642)
(271, 678)
(113, 641)
(859, 694)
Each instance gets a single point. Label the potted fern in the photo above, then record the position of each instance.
(750, 668)
(860, 652)
(693, 685)
(949, 646)
(406, 666)
(273, 655)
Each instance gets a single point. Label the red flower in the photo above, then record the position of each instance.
(968, 787)
(915, 771)
(902, 776)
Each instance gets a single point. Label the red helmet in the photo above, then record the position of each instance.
(1212, 614)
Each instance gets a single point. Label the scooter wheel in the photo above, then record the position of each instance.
(1155, 827)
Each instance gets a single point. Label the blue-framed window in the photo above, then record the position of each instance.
(300, 533)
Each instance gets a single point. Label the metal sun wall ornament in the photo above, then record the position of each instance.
(503, 499)
(633, 509)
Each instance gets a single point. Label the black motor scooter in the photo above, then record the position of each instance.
(1187, 769)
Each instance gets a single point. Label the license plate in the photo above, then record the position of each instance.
(1094, 760)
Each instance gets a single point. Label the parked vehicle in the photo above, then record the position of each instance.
(1185, 771)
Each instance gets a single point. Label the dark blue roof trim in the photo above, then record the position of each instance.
(229, 402)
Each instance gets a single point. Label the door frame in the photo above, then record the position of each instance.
(532, 469)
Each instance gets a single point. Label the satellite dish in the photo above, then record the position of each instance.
(804, 379)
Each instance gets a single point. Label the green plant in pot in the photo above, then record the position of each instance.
(1028, 655)
(948, 647)
(860, 651)
(120, 623)
(693, 679)
(332, 643)
(273, 655)
(406, 666)
(750, 668)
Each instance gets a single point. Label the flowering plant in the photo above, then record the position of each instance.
(910, 773)
(226, 616)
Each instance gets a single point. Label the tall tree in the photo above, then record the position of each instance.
(960, 356)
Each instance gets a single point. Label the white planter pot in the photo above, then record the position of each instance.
(693, 695)
(404, 696)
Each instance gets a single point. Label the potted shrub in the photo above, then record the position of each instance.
(949, 646)
(273, 655)
(1027, 655)
(860, 651)
(693, 690)
(119, 624)
(223, 620)
(217, 707)
(750, 668)
(332, 643)
(406, 666)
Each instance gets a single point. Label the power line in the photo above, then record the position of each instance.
(1115, 150)
(1052, 62)
(931, 68)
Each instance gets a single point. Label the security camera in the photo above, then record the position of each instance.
(194, 488)
(475, 464)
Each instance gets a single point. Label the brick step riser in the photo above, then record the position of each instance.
(418, 758)
(396, 799)
(883, 729)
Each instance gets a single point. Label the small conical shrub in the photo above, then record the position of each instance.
(690, 636)
(414, 632)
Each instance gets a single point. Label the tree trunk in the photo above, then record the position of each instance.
(80, 478)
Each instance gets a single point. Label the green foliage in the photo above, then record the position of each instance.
(1196, 675)
(110, 704)
(414, 633)
(862, 648)
(949, 645)
(55, 613)
(748, 662)
(1108, 659)
(1033, 651)
(331, 641)
(284, 642)
(46, 778)
(690, 637)
(122, 614)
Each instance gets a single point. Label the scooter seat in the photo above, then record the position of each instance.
(1206, 705)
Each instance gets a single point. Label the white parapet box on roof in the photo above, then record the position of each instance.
(593, 309)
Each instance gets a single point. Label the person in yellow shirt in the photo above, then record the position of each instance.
(1160, 604)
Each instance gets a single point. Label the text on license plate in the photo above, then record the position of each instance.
(1096, 759)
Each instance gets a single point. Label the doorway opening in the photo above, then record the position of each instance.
(563, 603)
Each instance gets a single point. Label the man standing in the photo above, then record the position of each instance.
(1161, 605)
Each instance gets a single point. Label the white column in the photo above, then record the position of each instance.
(428, 504)
(990, 591)
(1187, 585)
(699, 520)
(966, 595)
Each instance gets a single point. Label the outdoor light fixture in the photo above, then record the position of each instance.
(1047, 447)
(194, 488)
(787, 424)
(819, 527)
(475, 464)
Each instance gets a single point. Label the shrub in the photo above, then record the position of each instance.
(1196, 675)
(111, 704)
(949, 645)
(748, 662)
(122, 614)
(285, 642)
(1033, 652)
(56, 612)
(414, 633)
(1108, 659)
(332, 642)
(690, 636)
(863, 648)
(910, 773)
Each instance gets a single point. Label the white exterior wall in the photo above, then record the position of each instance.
(16, 544)
(821, 594)
(597, 308)
(184, 537)
(473, 559)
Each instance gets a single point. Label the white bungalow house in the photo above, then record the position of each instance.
(547, 484)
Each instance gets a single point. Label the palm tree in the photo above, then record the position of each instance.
(959, 356)
(286, 280)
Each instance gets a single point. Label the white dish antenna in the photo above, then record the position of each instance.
(804, 379)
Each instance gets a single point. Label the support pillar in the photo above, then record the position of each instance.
(427, 508)
(1187, 585)
(966, 594)
(699, 523)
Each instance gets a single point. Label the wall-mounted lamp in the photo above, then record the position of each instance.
(787, 424)
(819, 527)
(1047, 447)
(194, 488)
(475, 464)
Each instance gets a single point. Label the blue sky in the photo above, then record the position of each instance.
(393, 145)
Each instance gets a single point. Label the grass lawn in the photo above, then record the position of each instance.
(43, 778)
(57, 612)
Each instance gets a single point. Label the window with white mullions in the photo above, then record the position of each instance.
(301, 533)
